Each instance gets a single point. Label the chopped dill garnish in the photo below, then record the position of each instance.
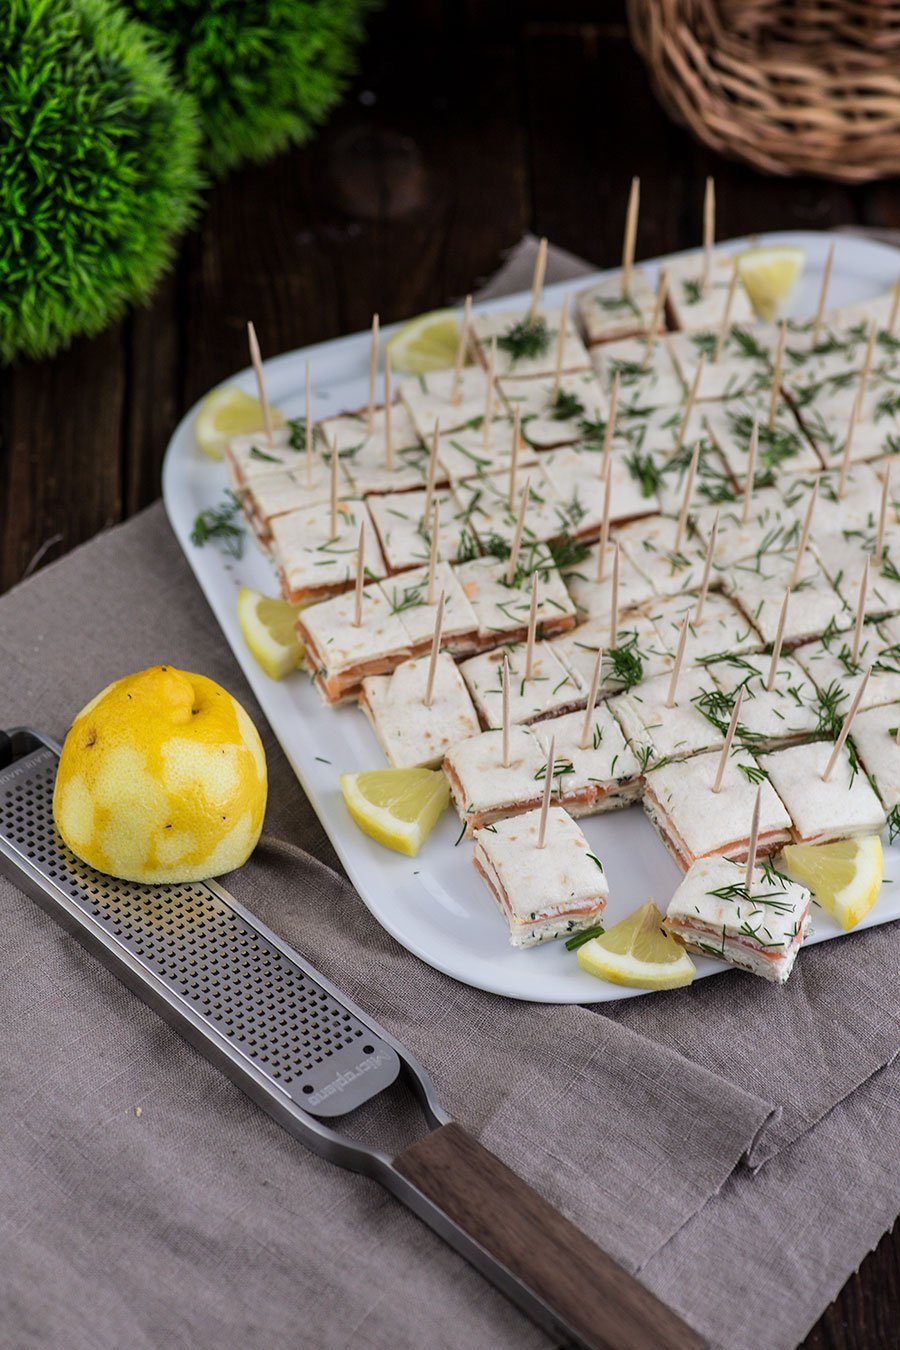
(566, 406)
(525, 340)
(218, 522)
(579, 939)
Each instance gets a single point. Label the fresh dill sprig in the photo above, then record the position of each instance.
(579, 939)
(643, 471)
(219, 523)
(525, 340)
(566, 406)
(628, 667)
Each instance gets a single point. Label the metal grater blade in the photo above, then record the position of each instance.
(206, 956)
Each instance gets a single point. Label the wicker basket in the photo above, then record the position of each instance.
(791, 86)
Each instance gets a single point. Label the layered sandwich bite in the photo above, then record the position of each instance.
(539, 688)
(613, 309)
(315, 559)
(841, 806)
(527, 345)
(340, 652)
(594, 769)
(416, 725)
(487, 785)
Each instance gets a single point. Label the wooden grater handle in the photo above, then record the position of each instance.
(592, 1296)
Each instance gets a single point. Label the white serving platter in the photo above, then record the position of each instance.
(436, 905)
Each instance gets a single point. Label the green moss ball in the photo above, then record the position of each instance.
(99, 154)
(264, 72)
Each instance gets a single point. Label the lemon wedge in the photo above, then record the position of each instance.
(398, 807)
(426, 343)
(225, 413)
(845, 877)
(637, 953)
(269, 631)
(769, 274)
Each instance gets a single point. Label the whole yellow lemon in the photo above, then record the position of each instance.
(162, 778)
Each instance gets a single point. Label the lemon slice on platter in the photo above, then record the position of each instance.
(269, 629)
(228, 412)
(397, 807)
(845, 877)
(637, 953)
(426, 343)
(769, 274)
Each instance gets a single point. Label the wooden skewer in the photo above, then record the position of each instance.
(433, 550)
(489, 394)
(586, 738)
(334, 492)
(514, 458)
(860, 611)
(561, 347)
(729, 737)
(256, 359)
(776, 375)
(754, 839)
(845, 729)
(709, 229)
(373, 373)
(679, 658)
(867, 363)
(309, 432)
(631, 224)
(848, 450)
(658, 307)
(689, 406)
(537, 283)
(388, 412)
(686, 502)
(505, 751)
(435, 651)
(895, 308)
(823, 299)
(610, 429)
(456, 391)
(751, 471)
(882, 517)
(532, 629)
(432, 471)
(707, 569)
(360, 576)
(779, 639)
(517, 537)
(804, 535)
(604, 529)
(548, 788)
(614, 599)
(726, 316)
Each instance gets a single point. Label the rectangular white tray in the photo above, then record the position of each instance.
(436, 904)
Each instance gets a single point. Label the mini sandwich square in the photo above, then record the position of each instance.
(483, 787)
(548, 689)
(312, 562)
(608, 310)
(339, 653)
(527, 348)
(430, 398)
(601, 774)
(842, 807)
(543, 893)
(657, 732)
(409, 731)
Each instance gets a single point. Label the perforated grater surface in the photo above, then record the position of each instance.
(308, 1055)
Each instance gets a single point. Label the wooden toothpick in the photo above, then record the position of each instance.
(751, 471)
(823, 299)
(776, 375)
(845, 729)
(360, 576)
(804, 535)
(725, 325)
(631, 224)
(537, 283)
(334, 492)
(709, 230)
(489, 394)
(848, 450)
(610, 429)
(754, 839)
(779, 639)
(432, 471)
(882, 517)
(309, 432)
(517, 537)
(679, 658)
(505, 711)
(604, 528)
(256, 359)
(433, 550)
(388, 412)
(729, 737)
(514, 458)
(658, 308)
(686, 501)
(435, 651)
(532, 629)
(561, 347)
(707, 569)
(691, 400)
(860, 611)
(895, 309)
(373, 373)
(614, 599)
(548, 788)
(586, 734)
(462, 344)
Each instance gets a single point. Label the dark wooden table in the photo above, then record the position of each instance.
(469, 124)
